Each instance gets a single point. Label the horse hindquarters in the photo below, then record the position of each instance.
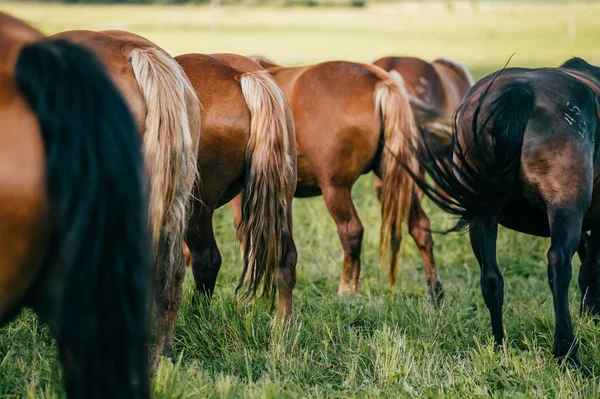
(99, 245)
(478, 195)
(566, 208)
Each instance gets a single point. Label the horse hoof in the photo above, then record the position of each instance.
(168, 353)
(348, 290)
(437, 296)
(570, 363)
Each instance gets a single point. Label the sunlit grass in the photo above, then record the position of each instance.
(383, 343)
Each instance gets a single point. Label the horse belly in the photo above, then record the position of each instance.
(592, 216)
(307, 185)
(522, 216)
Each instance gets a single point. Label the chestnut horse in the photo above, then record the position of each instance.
(73, 217)
(526, 156)
(248, 142)
(351, 119)
(442, 83)
(167, 114)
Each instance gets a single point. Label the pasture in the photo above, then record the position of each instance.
(384, 342)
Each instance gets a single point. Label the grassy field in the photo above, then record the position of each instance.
(385, 342)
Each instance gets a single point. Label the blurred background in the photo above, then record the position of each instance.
(481, 34)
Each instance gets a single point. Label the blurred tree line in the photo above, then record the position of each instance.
(353, 3)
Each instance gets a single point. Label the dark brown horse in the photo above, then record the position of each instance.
(167, 114)
(526, 156)
(352, 119)
(73, 218)
(248, 143)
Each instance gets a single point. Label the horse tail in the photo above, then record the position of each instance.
(264, 227)
(98, 210)
(476, 186)
(170, 145)
(400, 136)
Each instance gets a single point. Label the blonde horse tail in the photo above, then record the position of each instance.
(400, 138)
(263, 229)
(170, 144)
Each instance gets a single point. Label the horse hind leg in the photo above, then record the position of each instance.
(378, 186)
(566, 208)
(420, 230)
(205, 254)
(350, 230)
(565, 233)
(286, 274)
(483, 233)
(589, 276)
(236, 209)
(167, 296)
(584, 247)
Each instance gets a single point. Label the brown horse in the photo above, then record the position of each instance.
(167, 114)
(351, 119)
(73, 216)
(526, 156)
(248, 142)
(442, 83)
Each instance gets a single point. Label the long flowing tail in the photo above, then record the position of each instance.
(471, 185)
(264, 227)
(170, 147)
(400, 138)
(98, 208)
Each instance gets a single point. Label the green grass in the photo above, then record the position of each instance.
(383, 343)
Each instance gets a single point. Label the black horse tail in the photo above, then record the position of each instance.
(481, 183)
(100, 246)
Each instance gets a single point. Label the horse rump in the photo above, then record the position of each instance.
(99, 245)
(481, 174)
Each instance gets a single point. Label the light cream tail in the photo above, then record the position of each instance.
(170, 146)
(264, 228)
(400, 140)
